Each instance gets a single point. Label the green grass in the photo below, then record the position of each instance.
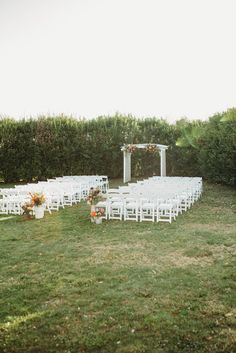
(67, 285)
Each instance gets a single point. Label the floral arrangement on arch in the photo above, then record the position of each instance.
(100, 212)
(151, 148)
(94, 196)
(130, 148)
(37, 199)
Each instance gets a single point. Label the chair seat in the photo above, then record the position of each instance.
(165, 206)
(101, 204)
(131, 205)
(147, 205)
(117, 204)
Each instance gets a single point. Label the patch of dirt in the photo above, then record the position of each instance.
(54, 302)
(127, 257)
(213, 307)
(177, 259)
(135, 255)
(222, 250)
(143, 254)
(217, 226)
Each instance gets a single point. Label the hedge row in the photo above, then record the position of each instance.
(37, 149)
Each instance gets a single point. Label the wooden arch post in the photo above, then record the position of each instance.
(163, 162)
(126, 166)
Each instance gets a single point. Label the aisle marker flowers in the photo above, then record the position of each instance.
(37, 199)
(100, 212)
(94, 196)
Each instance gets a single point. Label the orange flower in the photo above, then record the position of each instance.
(37, 199)
(93, 214)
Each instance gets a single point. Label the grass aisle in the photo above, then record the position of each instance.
(67, 285)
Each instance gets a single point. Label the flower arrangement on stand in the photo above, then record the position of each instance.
(37, 200)
(93, 198)
(27, 210)
(151, 148)
(97, 215)
(130, 148)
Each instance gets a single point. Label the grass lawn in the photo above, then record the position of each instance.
(67, 285)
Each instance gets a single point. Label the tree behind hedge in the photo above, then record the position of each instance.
(214, 143)
(217, 150)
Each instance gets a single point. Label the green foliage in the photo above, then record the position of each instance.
(37, 149)
(191, 134)
(217, 151)
(214, 143)
(230, 115)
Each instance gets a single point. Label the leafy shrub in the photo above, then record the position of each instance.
(37, 149)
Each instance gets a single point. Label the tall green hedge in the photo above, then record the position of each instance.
(37, 149)
(217, 150)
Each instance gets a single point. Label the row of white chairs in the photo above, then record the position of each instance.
(157, 199)
(59, 192)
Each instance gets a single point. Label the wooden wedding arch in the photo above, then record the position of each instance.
(129, 149)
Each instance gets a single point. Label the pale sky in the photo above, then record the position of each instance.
(164, 58)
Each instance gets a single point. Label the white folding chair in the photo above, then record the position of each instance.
(115, 207)
(131, 209)
(147, 209)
